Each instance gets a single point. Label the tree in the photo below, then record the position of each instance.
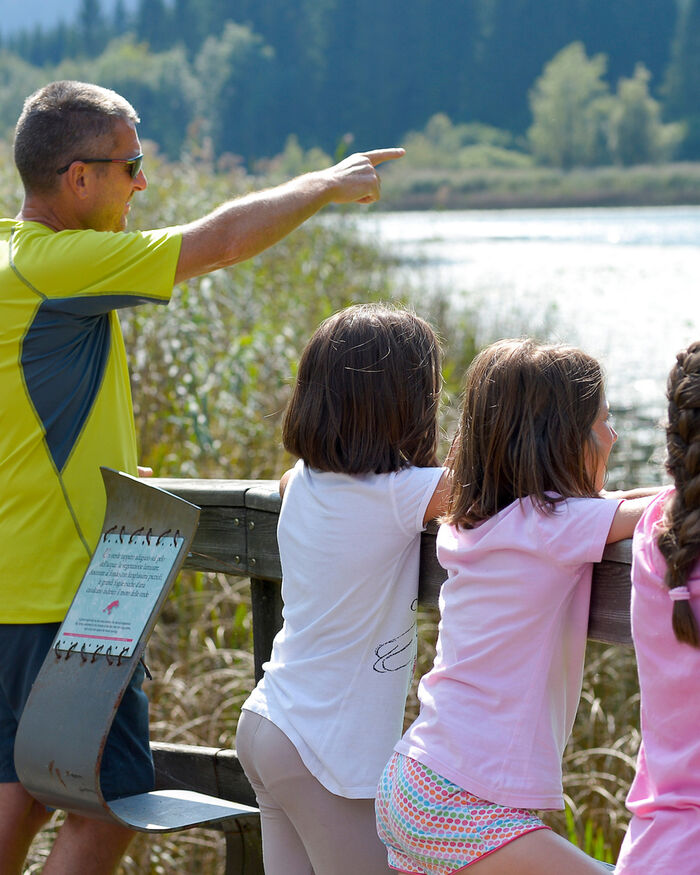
(160, 86)
(17, 80)
(637, 135)
(91, 27)
(570, 106)
(442, 144)
(627, 31)
(235, 71)
(682, 85)
(154, 25)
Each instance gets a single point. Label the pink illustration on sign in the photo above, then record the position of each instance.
(110, 607)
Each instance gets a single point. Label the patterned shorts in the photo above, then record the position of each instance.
(433, 827)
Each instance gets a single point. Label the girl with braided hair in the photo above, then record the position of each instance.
(664, 835)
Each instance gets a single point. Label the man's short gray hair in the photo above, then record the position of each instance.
(61, 122)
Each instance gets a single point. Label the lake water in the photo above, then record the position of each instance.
(620, 283)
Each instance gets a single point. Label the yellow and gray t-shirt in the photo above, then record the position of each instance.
(66, 401)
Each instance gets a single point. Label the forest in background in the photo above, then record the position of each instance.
(581, 83)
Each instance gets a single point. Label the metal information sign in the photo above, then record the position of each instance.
(120, 589)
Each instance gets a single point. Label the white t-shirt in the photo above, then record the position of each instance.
(342, 664)
(499, 703)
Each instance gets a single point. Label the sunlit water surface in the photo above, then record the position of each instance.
(620, 283)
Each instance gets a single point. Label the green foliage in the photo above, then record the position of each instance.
(162, 87)
(18, 80)
(592, 842)
(570, 103)
(636, 134)
(445, 145)
(234, 71)
(599, 761)
(11, 191)
(294, 160)
(578, 123)
(682, 85)
(320, 69)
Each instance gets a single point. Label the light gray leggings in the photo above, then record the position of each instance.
(306, 829)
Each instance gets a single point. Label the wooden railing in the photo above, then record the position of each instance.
(237, 535)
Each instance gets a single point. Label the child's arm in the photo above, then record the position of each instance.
(627, 515)
(639, 492)
(284, 480)
(438, 503)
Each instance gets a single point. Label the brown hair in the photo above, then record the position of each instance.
(61, 122)
(525, 429)
(367, 393)
(679, 539)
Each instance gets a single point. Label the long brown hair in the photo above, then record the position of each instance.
(679, 538)
(525, 429)
(367, 393)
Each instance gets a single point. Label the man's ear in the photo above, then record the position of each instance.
(78, 180)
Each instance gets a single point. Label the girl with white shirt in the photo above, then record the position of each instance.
(316, 732)
(525, 523)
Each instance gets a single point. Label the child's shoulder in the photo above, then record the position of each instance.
(527, 523)
(648, 526)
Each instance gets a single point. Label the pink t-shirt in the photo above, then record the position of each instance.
(499, 703)
(664, 835)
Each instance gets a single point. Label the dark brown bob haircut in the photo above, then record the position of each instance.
(525, 429)
(367, 393)
(61, 122)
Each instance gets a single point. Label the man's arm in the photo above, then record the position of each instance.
(244, 227)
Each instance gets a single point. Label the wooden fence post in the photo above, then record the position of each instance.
(266, 601)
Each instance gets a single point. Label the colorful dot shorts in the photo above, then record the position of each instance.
(431, 826)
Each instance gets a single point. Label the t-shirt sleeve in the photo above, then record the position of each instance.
(578, 529)
(91, 272)
(412, 489)
(646, 555)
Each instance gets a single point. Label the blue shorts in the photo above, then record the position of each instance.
(127, 764)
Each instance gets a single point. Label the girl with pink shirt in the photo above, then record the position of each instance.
(526, 521)
(664, 835)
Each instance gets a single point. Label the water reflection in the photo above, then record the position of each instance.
(621, 283)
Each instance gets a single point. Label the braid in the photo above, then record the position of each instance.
(679, 541)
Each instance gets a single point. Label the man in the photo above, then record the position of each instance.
(66, 266)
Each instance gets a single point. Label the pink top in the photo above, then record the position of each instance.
(664, 835)
(499, 703)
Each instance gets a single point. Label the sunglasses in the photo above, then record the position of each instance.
(133, 164)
